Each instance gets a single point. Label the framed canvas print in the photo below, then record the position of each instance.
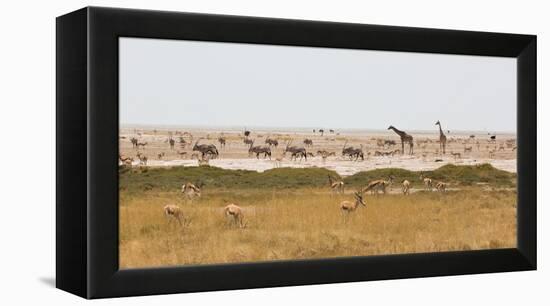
(205, 152)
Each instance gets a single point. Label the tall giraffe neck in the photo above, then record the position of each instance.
(440, 130)
(401, 133)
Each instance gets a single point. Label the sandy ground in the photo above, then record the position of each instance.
(427, 154)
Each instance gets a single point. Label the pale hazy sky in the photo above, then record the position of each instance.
(176, 82)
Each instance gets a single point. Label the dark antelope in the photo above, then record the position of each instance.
(296, 151)
(206, 149)
(259, 150)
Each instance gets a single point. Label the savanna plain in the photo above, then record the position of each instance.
(291, 212)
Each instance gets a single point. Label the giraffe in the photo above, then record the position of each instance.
(442, 138)
(404, 138)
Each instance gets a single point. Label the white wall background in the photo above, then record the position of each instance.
(27, 122)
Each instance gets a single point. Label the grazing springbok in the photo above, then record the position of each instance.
(325, 154)
(142, 159)
(428, 182)
(379, 185)
(468, 149)
(206, 149)
(347, 207)
(191, 190)
(337, 186)
(456, 155)
(172, 211)
(406, 187)
(441, 186)
(235, 213)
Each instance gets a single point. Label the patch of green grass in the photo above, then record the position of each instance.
(170, 179)
(456, 175)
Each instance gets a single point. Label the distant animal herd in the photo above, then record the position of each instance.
(205, 152)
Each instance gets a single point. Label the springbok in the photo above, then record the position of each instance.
(325, 154)
(406, 187)
(235, 213)
(337, 186)
(441, 186)
(160, 155)
(279, 160)
(172, 211)
(347, 207)
(192, 190)
(428, 182)
(142, 159)
(379, 185)
(456, 155)
(126, 161)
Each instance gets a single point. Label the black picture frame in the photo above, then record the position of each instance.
(87, 147)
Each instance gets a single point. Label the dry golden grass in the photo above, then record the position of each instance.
(307, 223)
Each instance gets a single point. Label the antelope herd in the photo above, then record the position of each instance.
(324, 147)
(235, 215)
(385, 148)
